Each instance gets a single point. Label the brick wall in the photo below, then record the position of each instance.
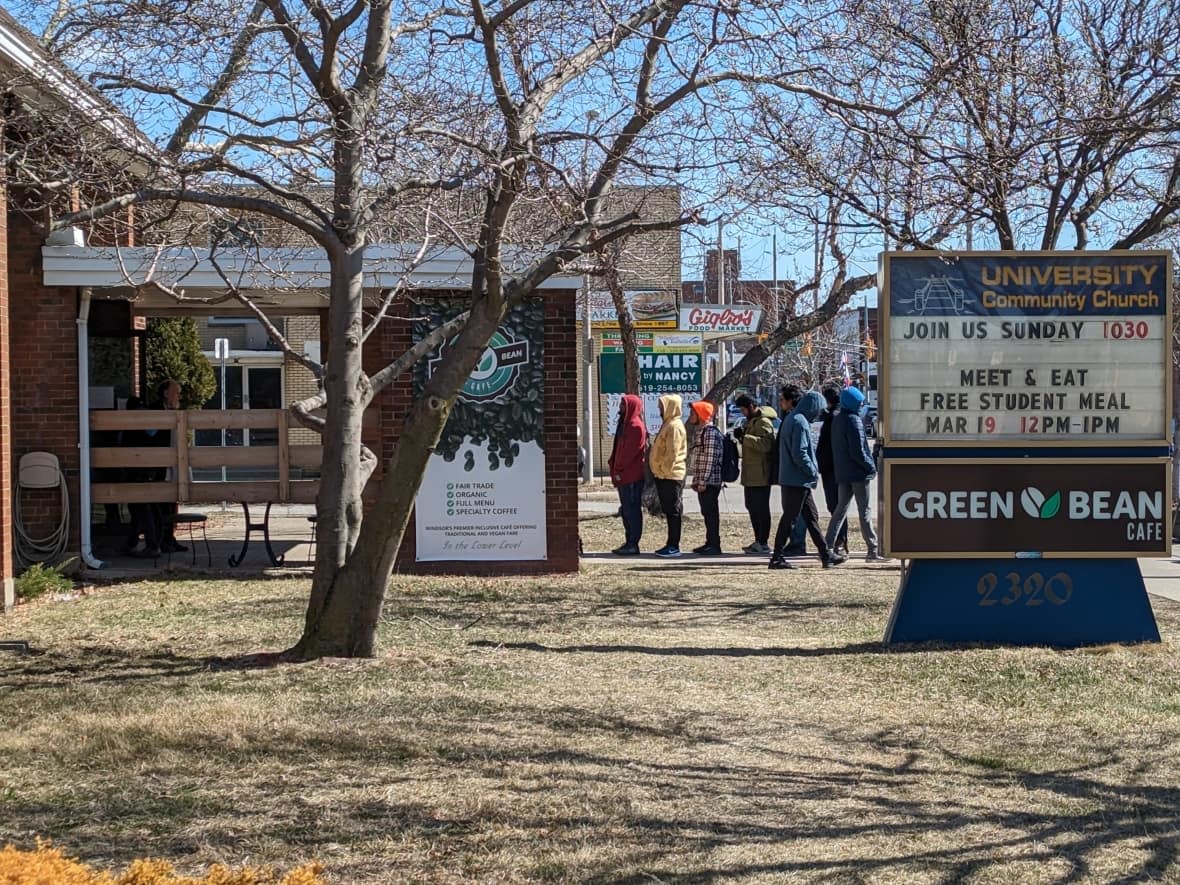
(44, 364)
(561, 451)
(650, 260)
(298, 381)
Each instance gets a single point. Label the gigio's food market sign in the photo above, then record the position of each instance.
(1030, 348)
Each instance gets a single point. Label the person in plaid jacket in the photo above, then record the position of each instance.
(706, 474)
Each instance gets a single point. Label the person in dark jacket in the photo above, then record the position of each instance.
(798, 475)
(627, 458)
(823, 455)
(855, 469)
(144, 539)
(169, 393)
(788, 398)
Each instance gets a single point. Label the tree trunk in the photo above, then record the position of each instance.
(353, 596)
(631, 376)
(338, 506)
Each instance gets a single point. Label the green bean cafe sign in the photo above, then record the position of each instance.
(1013, 506)
(497, 370)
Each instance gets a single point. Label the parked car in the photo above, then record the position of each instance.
(870, 421)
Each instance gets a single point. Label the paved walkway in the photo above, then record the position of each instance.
(290, 537)
(1162, 576)
(604, 499)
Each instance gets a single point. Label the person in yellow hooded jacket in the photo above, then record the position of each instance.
(669, 459)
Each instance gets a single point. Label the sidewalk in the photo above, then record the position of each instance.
(1162, 576)
(605, 499)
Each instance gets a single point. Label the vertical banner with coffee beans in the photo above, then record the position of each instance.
(483, 494)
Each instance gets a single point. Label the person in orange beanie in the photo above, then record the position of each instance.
(706, 474)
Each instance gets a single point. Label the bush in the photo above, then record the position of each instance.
(173, 350)
(39, 580)
(50, 865)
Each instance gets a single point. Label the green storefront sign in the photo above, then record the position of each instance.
(667, 364)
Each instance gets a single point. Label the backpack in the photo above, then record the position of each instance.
(730, 467)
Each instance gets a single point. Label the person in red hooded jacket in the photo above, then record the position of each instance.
(627, 462)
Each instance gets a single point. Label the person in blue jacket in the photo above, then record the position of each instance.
(798, 475)
(854, 467)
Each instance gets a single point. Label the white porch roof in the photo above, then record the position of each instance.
(283, 278)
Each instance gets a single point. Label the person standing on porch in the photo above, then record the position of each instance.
(669, 456)
(169, 394)
(627, 459)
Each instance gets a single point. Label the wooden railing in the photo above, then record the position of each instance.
(182, 457)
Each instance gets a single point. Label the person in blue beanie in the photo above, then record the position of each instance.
(854, 468)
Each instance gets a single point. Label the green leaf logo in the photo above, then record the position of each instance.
(1037, 506)
(1051, 506)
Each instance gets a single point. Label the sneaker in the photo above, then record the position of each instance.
(835, 559)
(795, 551)
(842, 549)
(756, 547)
(750, 548)
(668, 552)
(700, 549)
(778, 562)
(626, 550)
(708, 551)
(874, 556)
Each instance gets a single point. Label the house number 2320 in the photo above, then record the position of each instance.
(1016, 589)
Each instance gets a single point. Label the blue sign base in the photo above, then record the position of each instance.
(1059, 602)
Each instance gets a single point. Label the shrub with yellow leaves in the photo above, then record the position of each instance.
(50, 866)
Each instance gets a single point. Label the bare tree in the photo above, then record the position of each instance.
(322, 116)
(1054, 126)
(837, 294)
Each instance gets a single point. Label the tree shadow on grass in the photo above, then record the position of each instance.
(695, 651)
(656, 610)
(97, 665)
(525, 800)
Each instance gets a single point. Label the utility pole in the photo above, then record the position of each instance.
(776, 303)
(970, 193)
(720, 300)
(587, 383)
(588, 340)
(775, 298)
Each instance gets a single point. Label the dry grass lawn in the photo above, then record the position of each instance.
(631, 724)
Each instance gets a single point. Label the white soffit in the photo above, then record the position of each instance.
(270, 269)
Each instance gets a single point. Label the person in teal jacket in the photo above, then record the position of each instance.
(798, 475)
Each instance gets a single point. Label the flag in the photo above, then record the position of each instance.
(847, 373)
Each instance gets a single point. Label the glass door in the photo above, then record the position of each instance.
(246, 387)
(264, 390)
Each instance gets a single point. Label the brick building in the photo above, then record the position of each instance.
(67, 310)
